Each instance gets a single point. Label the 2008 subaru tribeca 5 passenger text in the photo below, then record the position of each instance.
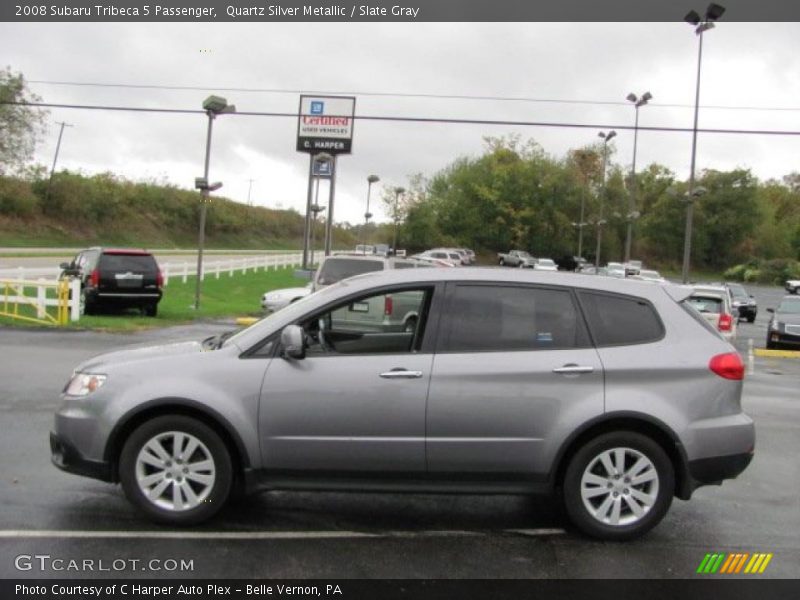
(616, 395)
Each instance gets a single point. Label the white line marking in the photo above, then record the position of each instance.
(253, 535)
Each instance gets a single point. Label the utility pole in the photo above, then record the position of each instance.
(249, 189)
(55, 158)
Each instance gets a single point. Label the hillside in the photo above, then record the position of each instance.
(105, 210)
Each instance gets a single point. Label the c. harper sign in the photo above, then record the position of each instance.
(326, 124)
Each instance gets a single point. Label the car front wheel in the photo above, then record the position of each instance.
(176, 469)
(618, 486)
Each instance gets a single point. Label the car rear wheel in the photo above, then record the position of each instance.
(150, 310)
(176, 469)
(618, 486)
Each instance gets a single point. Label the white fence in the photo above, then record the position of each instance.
(17, 295)
(213, 265)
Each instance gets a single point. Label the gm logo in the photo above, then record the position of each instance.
(317, 107)
(735, 563)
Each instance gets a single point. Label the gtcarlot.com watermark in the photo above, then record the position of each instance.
(48, 563)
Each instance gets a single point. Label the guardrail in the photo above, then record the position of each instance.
(63, 295)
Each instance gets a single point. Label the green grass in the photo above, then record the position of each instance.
(226, 297)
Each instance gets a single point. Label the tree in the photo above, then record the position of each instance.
(21, 126)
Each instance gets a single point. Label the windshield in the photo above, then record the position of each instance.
(791, 307)
(335, 270)
(523, 254)
(737, 291)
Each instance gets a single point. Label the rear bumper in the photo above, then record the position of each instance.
(67, 458)
(712, 471)
(123, 298)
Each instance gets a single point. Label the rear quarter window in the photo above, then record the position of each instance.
(616, 319)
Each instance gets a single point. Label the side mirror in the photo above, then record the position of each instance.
(771, 310)
(293, 341)
(65, 266)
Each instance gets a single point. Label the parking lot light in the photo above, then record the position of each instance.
(600, 221)
(367, 215)
(637, 103)
(713, 13)
(397, 192)
(213, 105)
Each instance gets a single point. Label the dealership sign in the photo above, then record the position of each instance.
(325, 124)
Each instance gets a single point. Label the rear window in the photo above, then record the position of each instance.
(142, 263)
(616, 320)
(334, 270)
(703, 304)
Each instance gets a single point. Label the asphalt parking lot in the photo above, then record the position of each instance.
(336, 535)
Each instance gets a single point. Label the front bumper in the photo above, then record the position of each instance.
(67, 458)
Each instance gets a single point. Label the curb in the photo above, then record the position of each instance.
(777, 353)
(247, 321)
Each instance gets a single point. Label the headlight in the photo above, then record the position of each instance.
(83, 384)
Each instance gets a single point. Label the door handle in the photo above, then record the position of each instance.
(573, 369)
(401, 374)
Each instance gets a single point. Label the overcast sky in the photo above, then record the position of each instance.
(744, 65)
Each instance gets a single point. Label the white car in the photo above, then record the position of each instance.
(649, 275)
(714, 305)
(278, 299)
(545, 264)
(792, 286)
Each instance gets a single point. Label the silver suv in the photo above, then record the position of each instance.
(617, 396)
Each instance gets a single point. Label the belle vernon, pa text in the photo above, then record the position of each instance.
(134, 589)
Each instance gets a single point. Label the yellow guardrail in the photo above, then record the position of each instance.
(16, 304)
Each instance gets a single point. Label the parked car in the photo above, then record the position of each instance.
(792, 285)
(440, 255)
(545, 264)
(649, 275)
(714, 304)
(458, 254)
(570, 263)
(744, 304)
(278, 299)
(784, 325)
(435, 262)
(592, 270)
(117, 278)
(617, 397)
(516, 258)
(614, 269)
(632, 267)
(471, 255)
(341, 266)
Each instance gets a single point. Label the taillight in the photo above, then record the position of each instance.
(94, 278)
(388, 305)
(729, 366)
(725, 322)
(160, 279)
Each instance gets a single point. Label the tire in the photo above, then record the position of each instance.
(502, 263)
(586, 473)
(200, 496)
(150, 310)
(751, 318)
(521, 265)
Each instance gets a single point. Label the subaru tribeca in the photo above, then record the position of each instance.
(615, 396)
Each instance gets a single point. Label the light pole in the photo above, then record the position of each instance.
(213, 105)
(600, 222)
(55, 159)
(315, 210)
(249, 189)
(637, 103)
(367, 215)
(713, 12)
(397, 192)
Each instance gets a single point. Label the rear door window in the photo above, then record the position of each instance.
(492, 318)
(616, 320)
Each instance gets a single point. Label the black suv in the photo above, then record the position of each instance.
(117, 277)
(743, 302)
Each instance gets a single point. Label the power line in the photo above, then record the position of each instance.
(400, 95)
(431, 120)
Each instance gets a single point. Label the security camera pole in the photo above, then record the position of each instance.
(213, 105)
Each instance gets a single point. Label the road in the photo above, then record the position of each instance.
(335, 535)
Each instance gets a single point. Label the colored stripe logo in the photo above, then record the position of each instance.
(734, 563)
